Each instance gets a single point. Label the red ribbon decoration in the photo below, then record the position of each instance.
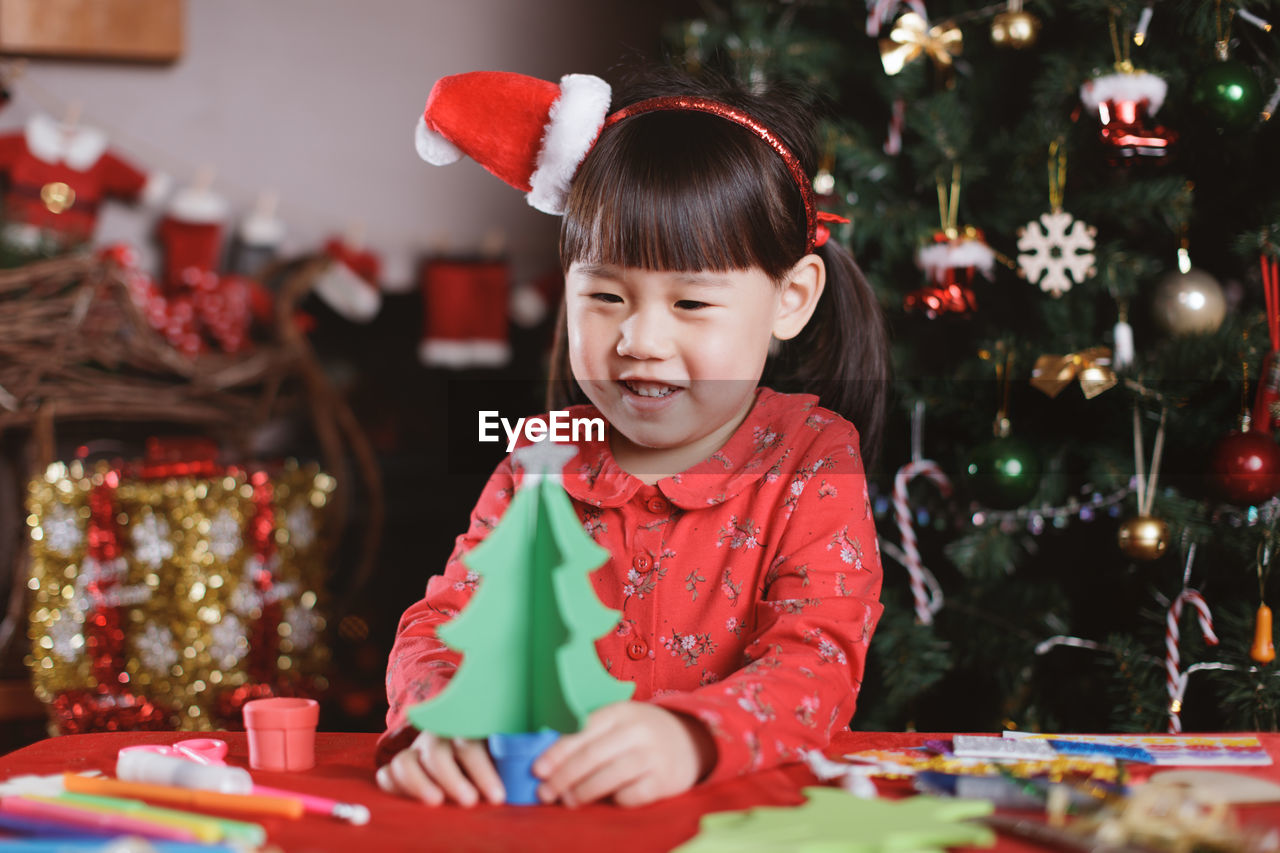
(1265, 418)
(264, 639)
(103, 636)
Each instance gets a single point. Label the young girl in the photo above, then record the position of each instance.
(744, 560)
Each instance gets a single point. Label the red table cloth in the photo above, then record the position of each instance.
(344, 771)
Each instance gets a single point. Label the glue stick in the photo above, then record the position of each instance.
(156, 769)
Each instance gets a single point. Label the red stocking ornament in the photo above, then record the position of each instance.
(465, 303)
(349, 285)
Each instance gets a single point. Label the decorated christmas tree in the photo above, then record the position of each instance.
(1071, 213)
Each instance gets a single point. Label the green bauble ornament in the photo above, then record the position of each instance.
(1228, 94)
(1003, 473)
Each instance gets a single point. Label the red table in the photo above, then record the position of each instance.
(344, 771)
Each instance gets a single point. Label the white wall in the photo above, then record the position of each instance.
(317, 99)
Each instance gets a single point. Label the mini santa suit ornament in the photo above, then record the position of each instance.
(950, 262)
(349, 285)
(1125, 100)
(59, 173)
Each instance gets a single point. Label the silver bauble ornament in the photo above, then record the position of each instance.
(1189, 303)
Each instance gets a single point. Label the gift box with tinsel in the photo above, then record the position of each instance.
(164, 596)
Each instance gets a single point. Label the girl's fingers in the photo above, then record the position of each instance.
(440, 763)
(407, 777)
(607, 777)
(598, 725)
(475, 759)
(640, 791)
(590, 758)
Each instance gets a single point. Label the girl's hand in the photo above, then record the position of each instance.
(436, 769)
(634, 751)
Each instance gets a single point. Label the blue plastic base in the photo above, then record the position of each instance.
(513, 755)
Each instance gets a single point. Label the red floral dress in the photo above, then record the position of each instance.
(748, 585)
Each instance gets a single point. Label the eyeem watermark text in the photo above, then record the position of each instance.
(558, 426)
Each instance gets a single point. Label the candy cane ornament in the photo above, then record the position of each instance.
(1175, 679)
(924, 587)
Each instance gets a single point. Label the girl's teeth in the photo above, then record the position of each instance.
(648, 390)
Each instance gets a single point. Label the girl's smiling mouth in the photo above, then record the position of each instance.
(645, 392)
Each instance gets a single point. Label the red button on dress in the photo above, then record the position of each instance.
(658, 506)
(641, 563)
(637, 649)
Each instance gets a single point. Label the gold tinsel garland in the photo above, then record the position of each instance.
(216, 593)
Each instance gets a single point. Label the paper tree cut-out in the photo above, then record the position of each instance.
(834, 822)
(527, 636)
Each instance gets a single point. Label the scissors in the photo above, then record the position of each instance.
(201, 750)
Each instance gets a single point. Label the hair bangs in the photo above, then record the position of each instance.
(683, 191)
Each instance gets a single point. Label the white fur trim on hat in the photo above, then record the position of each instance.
(459, 354)
(573, 124)
(261, 229)
(198, 205)
(433, 147)
(957, 254)
(1125, 86)
(347, 293)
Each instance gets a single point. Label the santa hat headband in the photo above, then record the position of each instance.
(546, 130)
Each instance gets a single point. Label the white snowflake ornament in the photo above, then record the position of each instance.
(151, 545)
(1064, 245)
(156, 649)
(302, 527)
(62, 531)
(303, 627)
(229, 639)
(224, 536)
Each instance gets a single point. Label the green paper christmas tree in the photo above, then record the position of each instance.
(528, 635)
(832, 821)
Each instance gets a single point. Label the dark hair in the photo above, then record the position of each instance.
(681, 190)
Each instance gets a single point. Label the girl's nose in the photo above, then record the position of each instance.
(645, 334)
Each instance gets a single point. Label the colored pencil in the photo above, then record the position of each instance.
(353, 813)
(218, 828)
(289, 807)
(72, 845)
(43, 828)
(80, 817)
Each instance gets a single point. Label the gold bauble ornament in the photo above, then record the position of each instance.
(1143, 537)
(1189, 303)
(1017, 30)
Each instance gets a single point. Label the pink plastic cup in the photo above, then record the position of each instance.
(282, 733)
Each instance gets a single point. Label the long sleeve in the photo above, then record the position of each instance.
(815, 609)
(420, 665)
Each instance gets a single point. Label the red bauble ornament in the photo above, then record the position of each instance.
(1245, 467)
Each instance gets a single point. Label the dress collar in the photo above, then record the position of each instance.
(754, 450)
(54, 142)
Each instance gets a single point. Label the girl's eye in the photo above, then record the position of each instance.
(611, 298)
(690, 305)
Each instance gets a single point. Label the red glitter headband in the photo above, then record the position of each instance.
(817, 232)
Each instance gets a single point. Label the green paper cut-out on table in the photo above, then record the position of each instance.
(832, 821)
(528, 634)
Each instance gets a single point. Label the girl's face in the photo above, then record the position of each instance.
(671, 359)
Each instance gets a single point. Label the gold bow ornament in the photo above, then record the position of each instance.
(1052, 373)
(911, 36)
